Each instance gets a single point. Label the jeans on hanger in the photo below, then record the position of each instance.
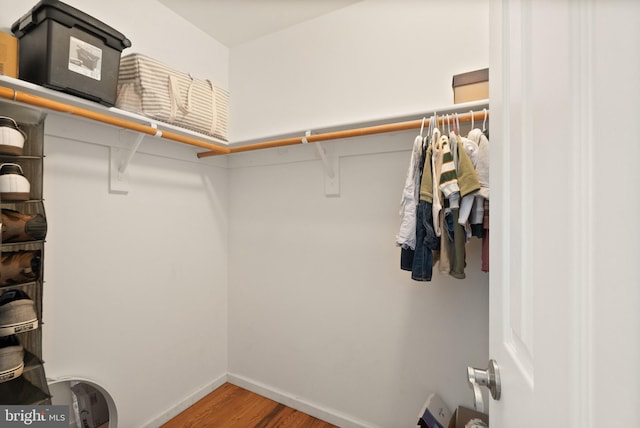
(426, 243)
(406, 258)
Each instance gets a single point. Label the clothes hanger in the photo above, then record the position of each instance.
(434, 129)
(435, 135)
(432, 125)
(423, 138)
(427, 138)
(484, 124)
(453, 140)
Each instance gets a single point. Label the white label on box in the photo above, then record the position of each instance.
(434, 413)
(85, 59)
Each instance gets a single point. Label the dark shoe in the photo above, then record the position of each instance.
(19, 227)
(18, 267)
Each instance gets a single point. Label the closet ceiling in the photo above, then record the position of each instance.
(233, 22)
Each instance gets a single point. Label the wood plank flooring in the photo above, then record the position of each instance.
(233, 407)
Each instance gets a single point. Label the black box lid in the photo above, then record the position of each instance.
(69, 17)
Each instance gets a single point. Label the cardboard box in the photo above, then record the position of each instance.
(8, 55)
(434, 413)
(462, 416)
(471, 86)
(90, 407)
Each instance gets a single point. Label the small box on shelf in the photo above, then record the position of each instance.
(471, 86)
(8, 55)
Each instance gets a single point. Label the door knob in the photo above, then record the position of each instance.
(478, 401)
(489, 378)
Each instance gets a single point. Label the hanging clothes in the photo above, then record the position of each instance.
(447, 193)
(446, 189)
(480, 218)
(485, 238)
(406, 237)
(468, 177)
(482, 164)
(469, 184)
(426, 240)
(427, 243)
(445, 177)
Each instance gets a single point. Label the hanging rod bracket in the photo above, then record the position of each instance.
(304, 140)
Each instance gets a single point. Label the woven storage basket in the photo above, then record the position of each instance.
(148, 87)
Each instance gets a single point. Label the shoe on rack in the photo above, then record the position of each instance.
(19, 227)
(17, 313)
(11, 358)
(12, 138)
(14, 186)
(18, 267)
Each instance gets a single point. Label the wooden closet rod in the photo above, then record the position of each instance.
(37, 101)
(476, 116)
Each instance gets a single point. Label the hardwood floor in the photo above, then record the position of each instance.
(233, 407)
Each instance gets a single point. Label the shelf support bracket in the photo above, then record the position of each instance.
(331, 169)
(119, 160)
(122, 169)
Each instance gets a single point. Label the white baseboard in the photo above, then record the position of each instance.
(329, 415)
(187, 402)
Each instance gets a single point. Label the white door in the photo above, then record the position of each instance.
(565, 212)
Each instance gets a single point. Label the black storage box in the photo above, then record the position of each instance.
(65, 49)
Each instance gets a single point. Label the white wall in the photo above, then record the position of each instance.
(375, 59)
(319, 310)
(318, 306)
(136, 285)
